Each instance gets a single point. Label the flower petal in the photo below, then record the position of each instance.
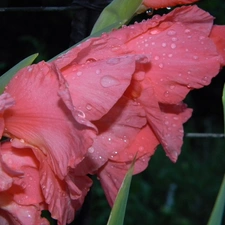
(40, 118)
(218, 36)
(165, 3)
(17, 214)
(112, 174)
(103, 83)
(117, 130)
(62, 196)
(166, 120)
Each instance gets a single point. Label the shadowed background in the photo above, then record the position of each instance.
(166, 193)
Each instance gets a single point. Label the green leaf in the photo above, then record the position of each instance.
(6, 77)
(117, 13)
(223, 101)
(118, 211)
(218, 209)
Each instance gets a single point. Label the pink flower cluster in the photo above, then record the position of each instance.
(94, 108)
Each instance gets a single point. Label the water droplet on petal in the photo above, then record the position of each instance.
(171, 32)
(160, 65)
(168, 8)
(109, 81)
(172, 87)
(141, 148)
(164, 44)
(166, 93)
(150, 11)
(88, 107)
(91, 59)
(170, 55)
(98, 71)
(187, 31)
(173, 46)
(113, 61)
(174, 39)
(91, 150)
(195, 57)
(80, 113)
(79, 73)
(189, 86)
(205, 79)
(156, 57)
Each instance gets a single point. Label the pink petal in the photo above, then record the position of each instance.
(166, 120)
(40, 118)
(65, 196)
(6, 101)
(218, 36)
(16, 214)
(103, 83)
(117, 130)
(182, 55)
(112, 174)
(23, 161)
(165, 3)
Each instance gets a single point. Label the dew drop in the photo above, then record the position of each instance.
(172, 87)
(175, 118)
(115, 48)
(174, 39)
(98, 71)
(164, 44)
(109, 81)
(168, 8)
(88, 107)
(187, 31)
(140, 75)
(170, 55)
(141, 148)
(80, 113)
(160, 65)
(91, 59)
(153, 43)
(79, 73)
(166, 122)
(150, 11)
(113, 61)
(166, 93)
(171, 32)
(195, 57)
(91, 150)
(156, 57)
(173, 46)
(189, 86)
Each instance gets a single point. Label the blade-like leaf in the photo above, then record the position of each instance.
(6, 77)
(118, 211)
(218, 209)
(118, 12)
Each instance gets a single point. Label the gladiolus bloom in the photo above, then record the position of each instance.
(174, 54)
(94, 108)
(165, 3)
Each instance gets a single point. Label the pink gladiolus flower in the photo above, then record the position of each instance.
(165, 3)
(174, 54)
(34, 116)
(21, 199)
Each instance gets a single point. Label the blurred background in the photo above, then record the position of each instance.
(166, 193)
